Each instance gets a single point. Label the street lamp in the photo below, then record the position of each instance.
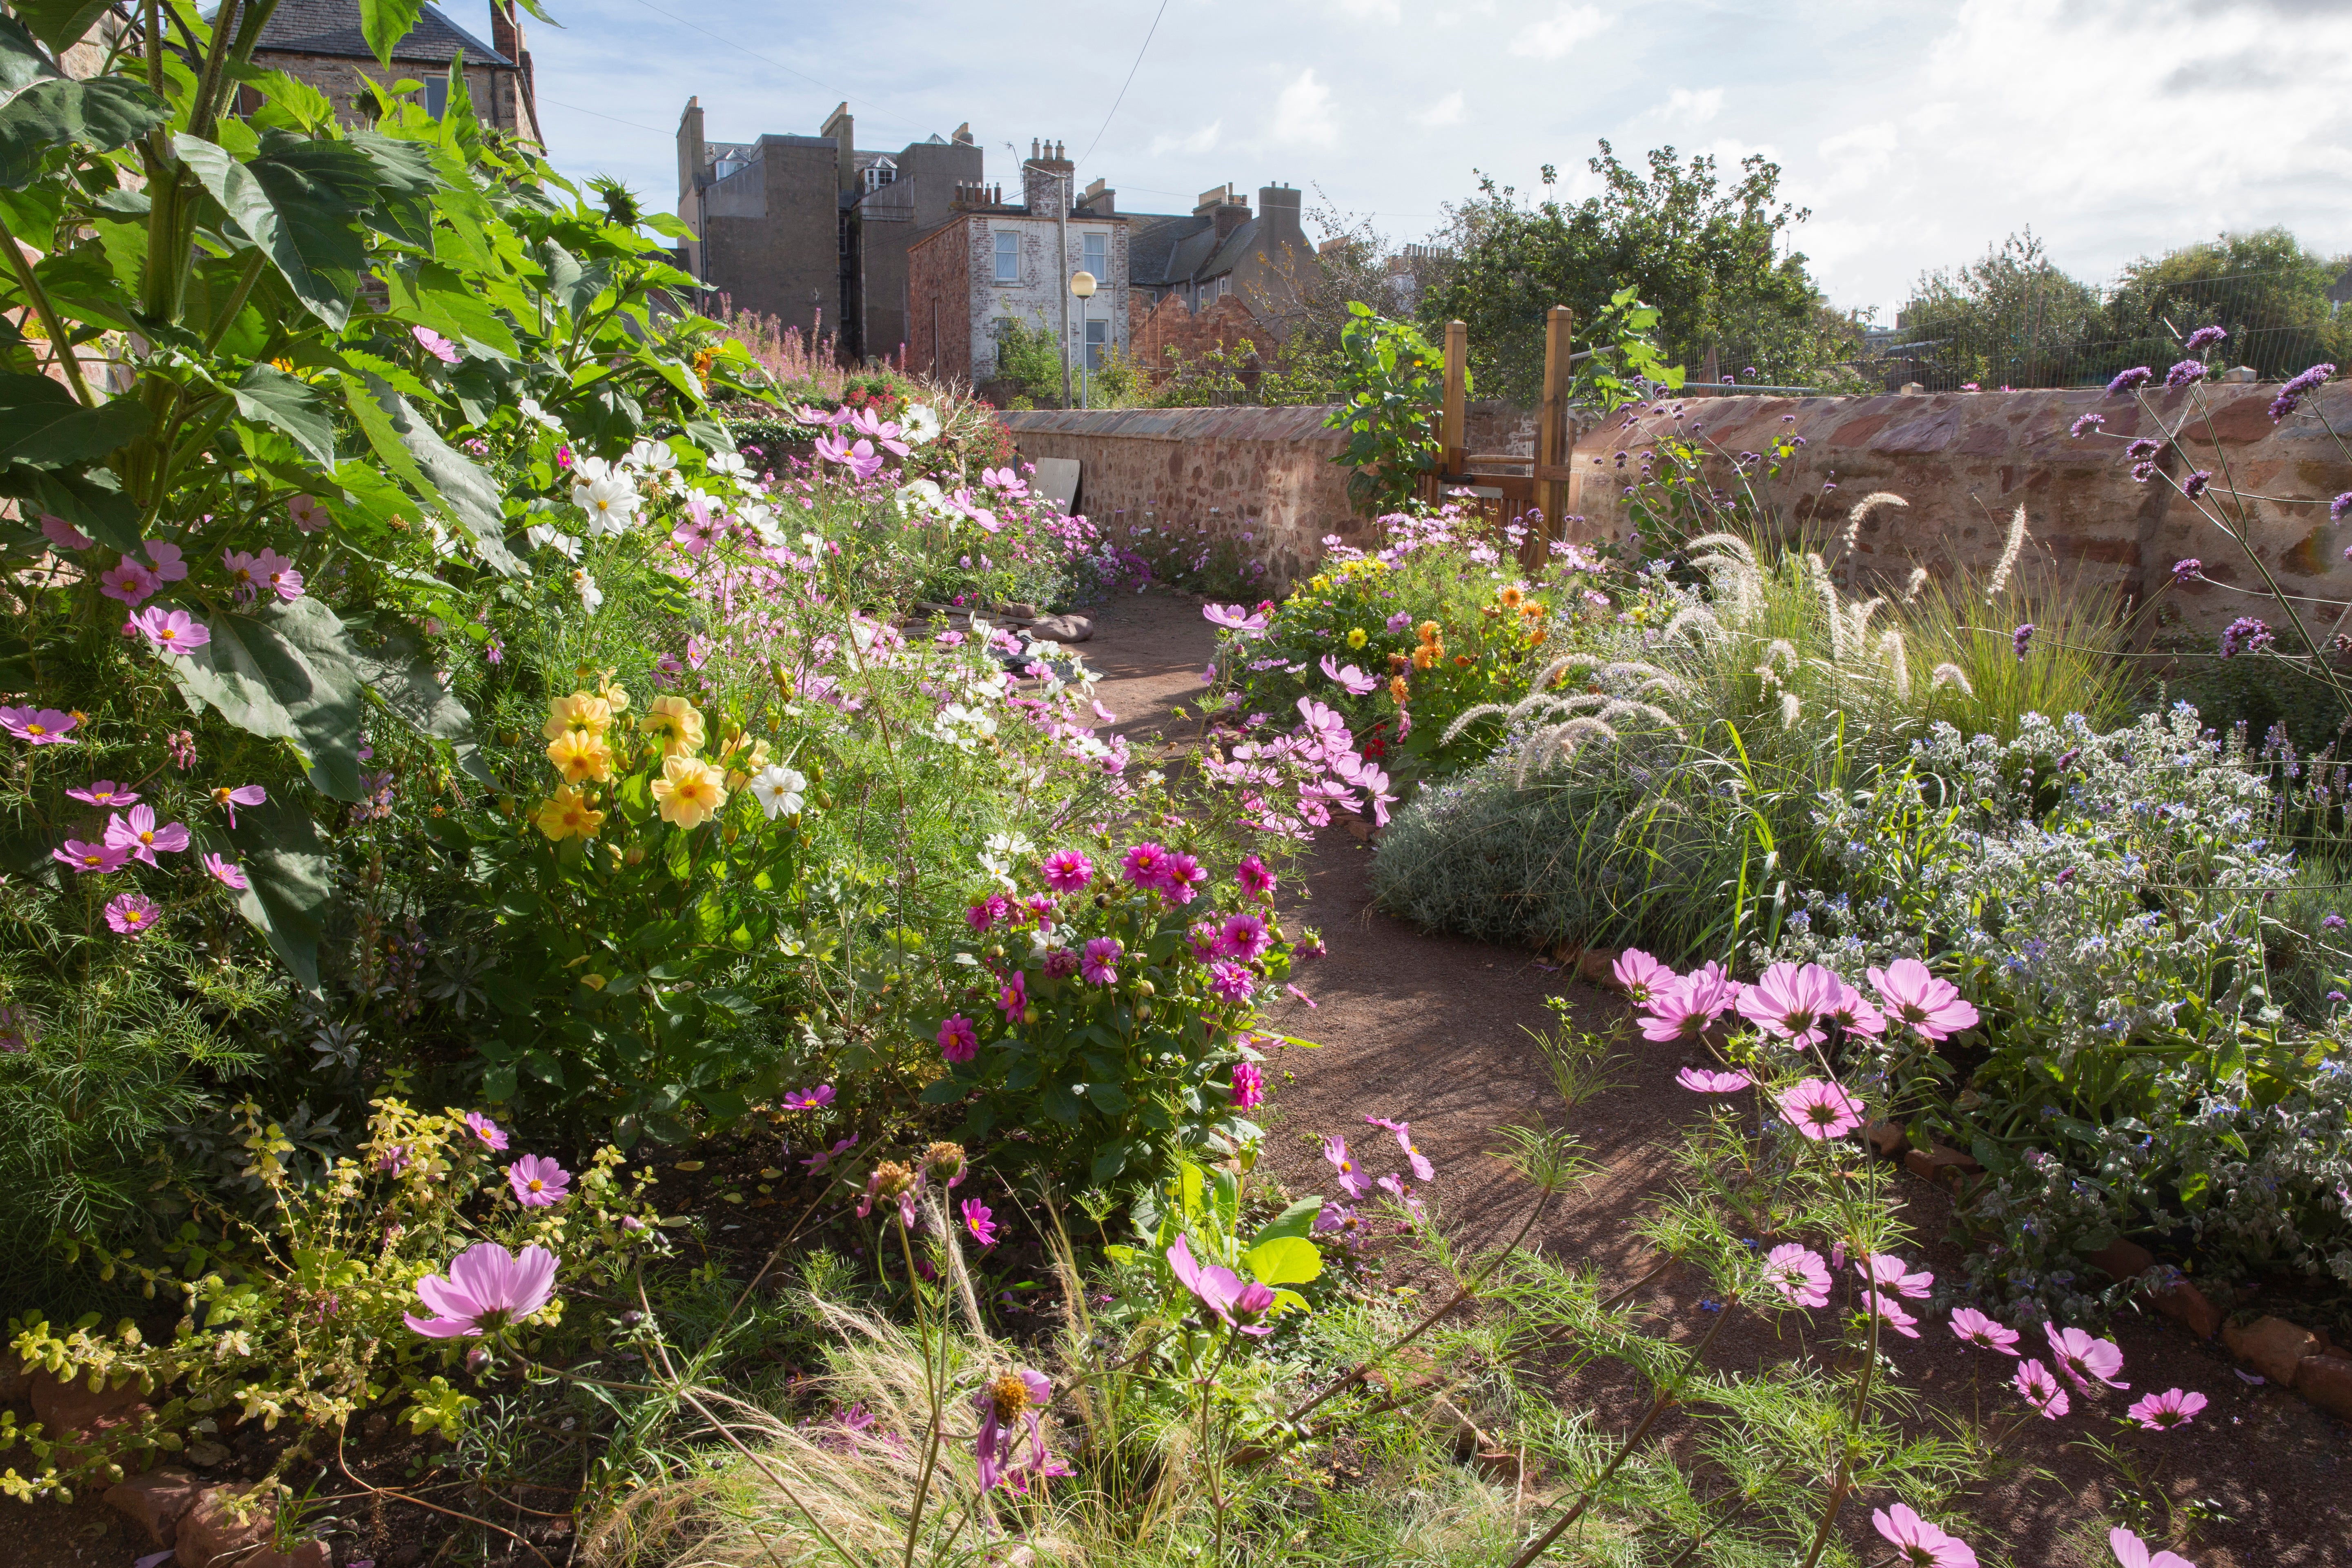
(1082, 287)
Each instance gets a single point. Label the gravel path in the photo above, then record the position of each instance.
(1432, 1029)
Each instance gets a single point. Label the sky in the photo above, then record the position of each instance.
(1917, 134)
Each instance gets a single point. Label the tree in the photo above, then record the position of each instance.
(2010, 319)
(1710, 259)
(2263, 287)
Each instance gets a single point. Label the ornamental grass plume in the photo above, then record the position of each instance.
(488, 1288)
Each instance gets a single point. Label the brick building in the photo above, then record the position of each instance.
(994, 264)
(320, 42)
(814, 230)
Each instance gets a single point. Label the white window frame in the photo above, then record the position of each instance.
(1094, 255)
(1004, 254)
(1093, 345)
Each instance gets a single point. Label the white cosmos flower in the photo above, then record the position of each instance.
(923, 497)
(591, 597)
(530, 410)
(546, 536)
(1013, 844)
(653, 455)
(779, 790)
(607, 497)
(919, 424)
(732, 464)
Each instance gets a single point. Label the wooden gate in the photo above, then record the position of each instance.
(1507, 486)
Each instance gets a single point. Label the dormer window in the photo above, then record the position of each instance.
(880, 173)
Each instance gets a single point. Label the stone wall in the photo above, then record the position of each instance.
(1964, 461)
(1171, 324)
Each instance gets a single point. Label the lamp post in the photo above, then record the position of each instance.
(1082, 287)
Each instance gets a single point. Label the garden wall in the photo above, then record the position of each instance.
(1963, 460)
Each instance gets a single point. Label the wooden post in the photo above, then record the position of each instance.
(1452, 438)
(1553, 448)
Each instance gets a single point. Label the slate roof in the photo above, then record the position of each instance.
(1167, 248)
(332, 27)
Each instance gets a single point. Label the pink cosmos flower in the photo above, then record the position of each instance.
(1919, 1544)
(306, 513)
(1817, 1108)
(1891, 1312)
(1302, 995)
(492, 1135)
(105, 793)
(165, 557)
(1245, 936)
(231, 875)
(1885, 1271)
(1705, 1080)
(2162, 1412)
(1234, 618)
(64, 534)
(959, 1041)
(1097, 964)
(278, 571)
(1068, 870)
(1238, 1304)
(1986, 1332)
(981, 1221)
(243, 579)
(1797, 1273)
(1852, 1012)
(1351, 1180)
(90, 858)
(816, 1163)
(434, 343)
(1791, 1002)
(488, 1288)
(131, 914)
(1403, 1132)
(141, 835)
(129, 581)
(1015, 1396)
(228, 799)
(2038, 1386)
(1249, 1087)
(1917, 1000)
(2133, 1553)
(2083, 1358)
(392, 1161)
(538, 1182)
(1352, 680)
(1146, 865)
(1641, 976)
(1675, 1011)
(172, 631)
(815, 1099)
(1231, 983)
(1252, 876)
(41, 726)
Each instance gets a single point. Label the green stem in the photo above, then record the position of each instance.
(60, 345)
(931, 1390)
(235, 302)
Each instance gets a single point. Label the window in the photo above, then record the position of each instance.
(1097, 255)
(436, 94)
(880, 173)
(1008, 257)
(1097, 340)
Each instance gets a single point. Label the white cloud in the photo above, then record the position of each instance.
(1204, 140)
(1566, 27)
(1447, 110)
(1858, 156)
(1302, 115)
(1370, 10)
(1685, 107)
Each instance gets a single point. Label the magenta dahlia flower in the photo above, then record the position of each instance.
(1068, 870)
(1249, 1087)
(1987, 1333)
(1245, 936)
(1919, 1544)
(2083, 1358)
(1252, 876)
(2162, 1412)
(1819, 1108)
(538, 1182)
(488, 1288)
(959, 1041)
(1797, 1273)
(1146, 865)
(1231, 983)
(1918, 1001)
(1098, 965)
